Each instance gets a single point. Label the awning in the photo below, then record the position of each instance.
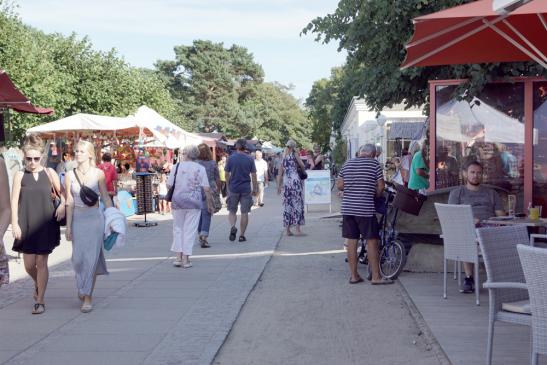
(480, 32)
(406, 130)
(12, 98)
(84, 123)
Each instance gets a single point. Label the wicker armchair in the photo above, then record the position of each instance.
(459, 238)
(534, 264)
(506, 285)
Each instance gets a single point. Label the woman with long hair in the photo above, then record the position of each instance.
(289, 182)
(33, 217)
(205, 159)
(85, 221)
(190, 182)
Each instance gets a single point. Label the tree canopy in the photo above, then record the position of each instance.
(374, 33)
(222, 89)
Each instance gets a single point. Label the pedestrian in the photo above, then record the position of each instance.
(261, 167)
(110, 175)
(34, 219)
(5, 216)
(419, 173)
(66, 163)
(162, 192)
(205, 159)
(240, 175)
(85, 224)
(318, 158)
(190, 182)
(309, 164)
(361, 179)
(222, 175)
(289, 182)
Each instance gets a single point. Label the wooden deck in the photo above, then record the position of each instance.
(461, 327)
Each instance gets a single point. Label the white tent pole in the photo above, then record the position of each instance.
(525, 40)
(453, 42)
(515, 43)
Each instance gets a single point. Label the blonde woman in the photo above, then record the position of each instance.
(33, 217)
(85, 221)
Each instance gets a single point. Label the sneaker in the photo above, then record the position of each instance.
(467, 286)
(187, 265)
(177, 263)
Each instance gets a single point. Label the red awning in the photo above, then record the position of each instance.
(11, 97)
(475, 33)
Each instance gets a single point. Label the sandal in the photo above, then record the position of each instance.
(86, 308)
(38, 308)
(204, 243)
(382, 282)
(360, 280)
(242, 239)
(187, 265)
(233, 232)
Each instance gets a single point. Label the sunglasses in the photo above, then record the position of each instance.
(36, 159)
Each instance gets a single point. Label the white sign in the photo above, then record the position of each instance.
(317, 187)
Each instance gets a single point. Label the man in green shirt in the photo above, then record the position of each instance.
(419, 173)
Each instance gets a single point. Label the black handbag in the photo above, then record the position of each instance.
(302, 174)
(88, 196)
(169, 195)
(56, 199)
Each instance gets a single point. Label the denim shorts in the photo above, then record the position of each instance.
(244, 200)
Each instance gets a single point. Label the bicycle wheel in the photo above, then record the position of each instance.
(392, 259)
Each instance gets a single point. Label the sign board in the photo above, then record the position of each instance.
(317, 187)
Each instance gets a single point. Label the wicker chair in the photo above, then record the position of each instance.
(506, 285)
(459, 238)
(534, 264)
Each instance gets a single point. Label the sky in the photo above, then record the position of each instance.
(144, 31)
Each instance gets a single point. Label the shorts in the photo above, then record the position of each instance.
(354, 227)
(161, 197)
(245, 200)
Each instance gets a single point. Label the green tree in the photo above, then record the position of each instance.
(374, 33)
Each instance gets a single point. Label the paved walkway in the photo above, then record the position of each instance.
(461, 327)
(304, 311)
(146, 310)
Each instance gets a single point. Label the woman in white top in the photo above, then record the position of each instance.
(187, 202)
(162, 192)
(85, 223)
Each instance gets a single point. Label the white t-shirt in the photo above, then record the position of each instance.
(261, 169)
(191, 177)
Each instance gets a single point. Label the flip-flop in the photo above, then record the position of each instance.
(290, 234)
(382, 282)
(233, 233)
(242, 239)
(38, 308)
(360, 280)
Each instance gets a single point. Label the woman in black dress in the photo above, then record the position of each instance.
(33, 217)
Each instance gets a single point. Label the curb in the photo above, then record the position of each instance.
(423, 327)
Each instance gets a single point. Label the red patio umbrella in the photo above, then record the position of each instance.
(11, 97)
(475, 33)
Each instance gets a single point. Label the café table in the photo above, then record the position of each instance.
(536, 224)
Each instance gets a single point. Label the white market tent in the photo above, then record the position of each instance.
(145, 123)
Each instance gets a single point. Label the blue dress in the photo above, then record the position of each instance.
(293, 194)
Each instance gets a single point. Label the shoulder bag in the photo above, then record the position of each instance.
(88, 195)
(56, 199)
(169, 195)
(302, 174)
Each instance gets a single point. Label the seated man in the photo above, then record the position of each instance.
(485, 203)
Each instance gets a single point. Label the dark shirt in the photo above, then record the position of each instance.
(240, 166)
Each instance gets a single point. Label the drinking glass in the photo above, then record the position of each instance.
(533, 214)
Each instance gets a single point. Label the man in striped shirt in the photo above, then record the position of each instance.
(362, 180)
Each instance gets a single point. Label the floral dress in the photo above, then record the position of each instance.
(293, 193)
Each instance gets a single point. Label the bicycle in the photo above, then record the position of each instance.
(392, 251)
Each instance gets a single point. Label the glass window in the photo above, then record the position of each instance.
(489, 128)
(540, 145)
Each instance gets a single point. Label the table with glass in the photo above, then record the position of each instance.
(511, 221)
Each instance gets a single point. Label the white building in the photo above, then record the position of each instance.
(392, 129)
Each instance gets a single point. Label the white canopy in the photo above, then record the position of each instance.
(145, 123)
(163, 130)
(84, 122)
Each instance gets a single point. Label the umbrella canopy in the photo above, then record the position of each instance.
(85, 122)
(480, 32)
(11, 97)
(163, 130)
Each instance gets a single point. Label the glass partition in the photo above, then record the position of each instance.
(540, 145)
(490, 129)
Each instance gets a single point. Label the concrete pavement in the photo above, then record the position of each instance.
(146, 311)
